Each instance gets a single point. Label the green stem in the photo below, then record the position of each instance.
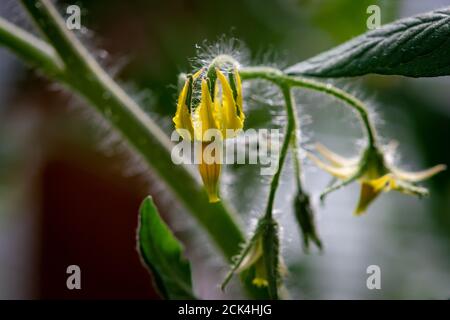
(297, 164)
(284, 83)
(284, 148)
(271, 236)
(31, 49)
(276, 76)
(295, 150)
(355, 103)
(82, 73)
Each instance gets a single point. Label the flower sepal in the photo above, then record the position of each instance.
(374, 173)
(261, 253)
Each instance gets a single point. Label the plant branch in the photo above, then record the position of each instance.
(295, 150)
(284, 149)
(276, 76)
(78, 70)
(31, 49)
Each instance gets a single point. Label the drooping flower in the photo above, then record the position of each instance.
(260, 256)
(374, 173)
(218, 115)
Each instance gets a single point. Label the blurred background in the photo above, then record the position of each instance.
(70, 189)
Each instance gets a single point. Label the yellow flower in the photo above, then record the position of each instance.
(219, 109)
(373, 173)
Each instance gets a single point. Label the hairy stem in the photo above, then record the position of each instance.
(31, 49)
(284, 148)
(68, 61)
(271, 236)
(295, 150)
(276, 76)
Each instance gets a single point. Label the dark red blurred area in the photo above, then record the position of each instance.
(85, 206)
(89, 218)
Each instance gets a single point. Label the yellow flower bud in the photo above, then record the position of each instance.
(220, 109)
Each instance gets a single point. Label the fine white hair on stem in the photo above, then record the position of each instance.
(271, 57)
(207, 51)
(312, 100)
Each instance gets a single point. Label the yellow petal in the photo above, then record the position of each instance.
(419, 176)
(218, 107)
(260, 282)
(370, 189)
(229, 114)
(384, 183)
(198, 73)
(205, 118)
(239, 100)
(182, 118)
(342, 173)
(334, 158)
(367, 195)
(210, 173)
(260, 279)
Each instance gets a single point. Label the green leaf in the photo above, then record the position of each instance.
(162, 253)
(418, 46)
